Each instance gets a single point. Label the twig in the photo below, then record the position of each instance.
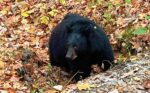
(71, 79)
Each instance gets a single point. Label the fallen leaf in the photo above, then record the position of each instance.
(1, 1)
(29, 67)
(134, 58)
(4, 11)
(35, 41)
(24, 21)
(120, 21)
(96, 69)
(32, 29)
(24, 7)
(51, 91)
(114, 91)
(134, 3)
(3, 91)
(142, 15)
(1, 72)
(99, 91)
(18, 0)
(84, 86)
(10, 90)
(58, 87)
(43, 6)
(25, 14)
(116, 2)
(7, 85)
(62, 1)
(1, 65)
(53, 12)
(16, 85)
(129, 73)
(72, 86)
(137, 79)
(44, 19)
(147, 84)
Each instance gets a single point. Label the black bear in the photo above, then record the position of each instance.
(76, 43)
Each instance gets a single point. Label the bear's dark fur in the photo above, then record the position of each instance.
(76, 43)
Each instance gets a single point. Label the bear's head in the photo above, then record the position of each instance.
(79, 38)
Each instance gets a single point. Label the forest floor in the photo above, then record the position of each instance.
(25, 27)
(127, 77)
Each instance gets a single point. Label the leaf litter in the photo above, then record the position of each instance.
(127, 77)
(26, 25)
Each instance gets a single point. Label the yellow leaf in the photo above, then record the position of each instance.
(1, 1)
(25, 14)
(84, 86)
(1, 73)
(44, 6)
(35, 41)
(137, 79)
(53, 12)
(18, 0)
(32, 29)
(44, 19)
(2, 41)
(134, 58)
(7, 85)
(4, 11)
(24, 21)
(62, 1)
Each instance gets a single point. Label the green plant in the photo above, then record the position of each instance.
(128, 1)
(140, 31)
(94, 3)
(49, 67)
(147, 17)
(125, 41)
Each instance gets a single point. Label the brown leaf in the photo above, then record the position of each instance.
(114, 91)
(147, 84)
(10, 90)
(1, 73)
(32, 2)
(24, 7)
(1, 65)
(51, 91)
(43, 41)
(129, 73)
(113, 40)
(29, 67)
(72, 86)
(134, 2)
(96, 69)
(116, 2)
